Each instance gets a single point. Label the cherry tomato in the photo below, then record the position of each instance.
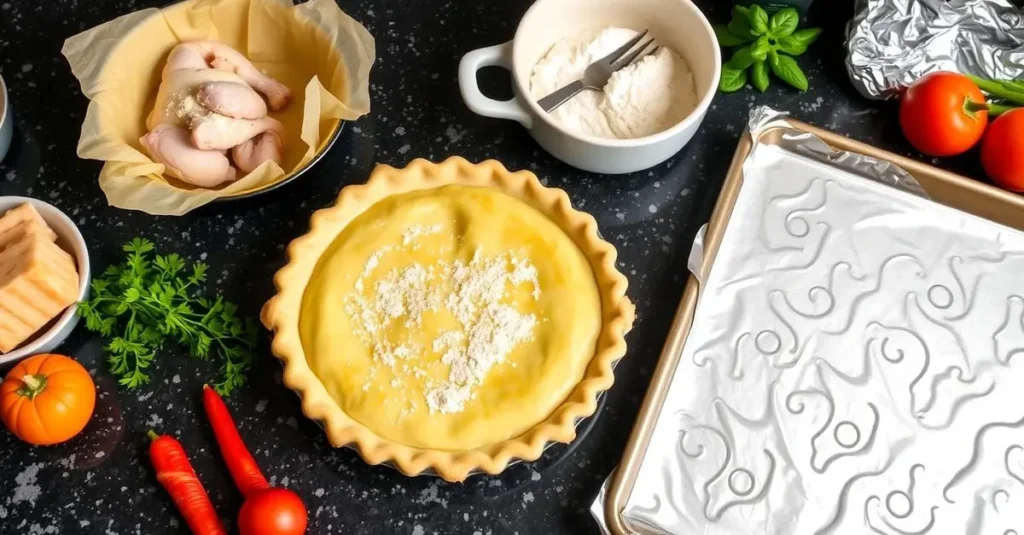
(1002, 150)
(274, 511)
(943, 114)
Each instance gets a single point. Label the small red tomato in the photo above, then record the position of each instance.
(1002, 150)
(943, 114)
(273, 511)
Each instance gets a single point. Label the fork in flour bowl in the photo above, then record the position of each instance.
(598, 73)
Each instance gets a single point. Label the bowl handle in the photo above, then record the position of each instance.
(498, 55)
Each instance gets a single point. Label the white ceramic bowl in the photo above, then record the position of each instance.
(676, 23)
(6, 121)
(69, 239)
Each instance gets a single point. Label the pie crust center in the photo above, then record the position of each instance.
(450, 318)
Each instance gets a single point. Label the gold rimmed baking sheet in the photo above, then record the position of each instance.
(941, 186)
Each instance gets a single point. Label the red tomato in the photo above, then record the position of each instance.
(273, 511)
(1002, 150)
(943, 114)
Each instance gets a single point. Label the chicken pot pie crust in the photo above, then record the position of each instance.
(449, 317)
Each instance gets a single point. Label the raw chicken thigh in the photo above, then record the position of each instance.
(209, 103)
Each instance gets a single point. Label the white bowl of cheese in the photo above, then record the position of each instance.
(37, 291)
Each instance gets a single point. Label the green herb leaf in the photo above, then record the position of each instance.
(759, 50)
(759, 76)
(148, 300)
(787, 69)
(758, 20)
(740, 12)
(132, 295)
(740, 28)
(725, 38)
(797, 42)
(732, 80)
(741, 59)
(783, 23)
(791, 46)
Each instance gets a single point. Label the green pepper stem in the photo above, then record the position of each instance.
(1004, 90)
(995, 109)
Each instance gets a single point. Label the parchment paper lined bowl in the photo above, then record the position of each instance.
(316, 50)
(71, 240)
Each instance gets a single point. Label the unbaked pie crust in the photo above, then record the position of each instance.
(303, 323)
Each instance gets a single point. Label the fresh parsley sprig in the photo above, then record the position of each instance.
(151, 299)
(765, 44)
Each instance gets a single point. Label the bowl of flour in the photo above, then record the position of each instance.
(645, 113)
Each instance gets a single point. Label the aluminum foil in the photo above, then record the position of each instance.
(891, 43)
(856, 370)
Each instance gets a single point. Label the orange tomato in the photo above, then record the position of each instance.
(47, 399)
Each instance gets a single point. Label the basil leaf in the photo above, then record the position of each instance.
(791, 46)
(759, 76)
(758, 20)
(787, 69)
(741, 59)
(740, 28)
(732, 80)
(783, 23)
(740, 12)
(759, 50)
(726, 38)
(804, 37)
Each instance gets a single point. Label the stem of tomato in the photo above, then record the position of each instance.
(34, 385)
(971, 108)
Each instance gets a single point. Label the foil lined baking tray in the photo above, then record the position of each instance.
(851, 363)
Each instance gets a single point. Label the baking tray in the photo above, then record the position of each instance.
(941, 186)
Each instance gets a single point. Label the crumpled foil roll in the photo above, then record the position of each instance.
(892, 43)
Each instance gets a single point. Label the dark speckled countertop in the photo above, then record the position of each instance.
(102, 483)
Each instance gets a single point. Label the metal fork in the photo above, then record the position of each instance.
(598, 73)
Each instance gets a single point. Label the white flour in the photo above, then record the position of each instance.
(474, 293)
(642, 99)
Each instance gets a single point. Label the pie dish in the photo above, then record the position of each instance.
(449, 317)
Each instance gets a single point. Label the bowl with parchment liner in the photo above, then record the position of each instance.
(677, 24)
(321, 54)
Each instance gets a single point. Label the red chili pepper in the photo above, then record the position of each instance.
(176, 475)
(266, 511)
(244, 470)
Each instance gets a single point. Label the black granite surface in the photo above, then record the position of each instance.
(102, 483)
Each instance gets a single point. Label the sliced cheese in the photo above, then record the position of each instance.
(22, 214)
(38, 280)
(23, 229)
(17, 223)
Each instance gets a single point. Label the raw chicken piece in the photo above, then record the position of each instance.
(208, 88)
(172, 146)
(231, 99)
(251, 154)
(222, 133)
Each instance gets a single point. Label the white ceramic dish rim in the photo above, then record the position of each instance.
(693, 117)
(3, 101)
(81, 255)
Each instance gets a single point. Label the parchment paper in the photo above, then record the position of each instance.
(319, 52)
